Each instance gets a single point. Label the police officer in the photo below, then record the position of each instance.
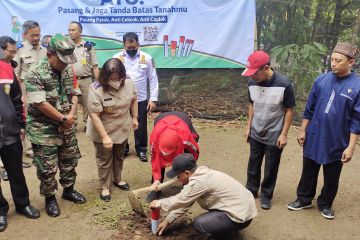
(52, 94)
(12, 121)
(86, 65)
(30, 53)
(140, 67)
(110, 101)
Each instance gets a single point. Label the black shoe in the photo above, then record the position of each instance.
(297, 205)
(29, 212)
(3, 223)
(4, 175)
(265, 203)
(152, 196)
(142, 156)
(52, 207)
(125, 186)
(105, 198)
(328, 213)
(73, 196)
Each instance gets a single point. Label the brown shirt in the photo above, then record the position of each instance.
(26, 57)
(213, 190)
(86, 60)
(114, 109)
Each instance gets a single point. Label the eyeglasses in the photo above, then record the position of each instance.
(11, 51)
(34, 35)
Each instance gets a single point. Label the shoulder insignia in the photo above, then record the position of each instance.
(19, 45)
(142, 59)
(96, 85)
(7, 88)
(121, 58)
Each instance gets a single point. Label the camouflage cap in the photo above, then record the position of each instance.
(64, 48)
(346, 49)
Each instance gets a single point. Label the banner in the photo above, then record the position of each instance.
(176, 33)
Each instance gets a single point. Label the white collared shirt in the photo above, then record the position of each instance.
(141, 69)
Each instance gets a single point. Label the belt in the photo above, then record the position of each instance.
(83, 77)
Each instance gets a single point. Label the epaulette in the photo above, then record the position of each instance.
(96, 85)
(121, 58)
(19, 45)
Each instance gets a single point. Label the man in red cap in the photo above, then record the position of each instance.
(271, 97)
(173, 134)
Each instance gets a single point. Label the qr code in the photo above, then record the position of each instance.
(151, 33)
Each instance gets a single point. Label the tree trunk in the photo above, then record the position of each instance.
(319, 13)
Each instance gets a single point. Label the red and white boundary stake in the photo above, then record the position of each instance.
(155, 219)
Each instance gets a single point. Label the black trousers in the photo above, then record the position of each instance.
(140, 134)
(306, 189)
(12, 159)
(272, 162)
(162, 176)
(216, 224)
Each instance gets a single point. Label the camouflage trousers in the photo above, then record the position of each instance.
(48, 159)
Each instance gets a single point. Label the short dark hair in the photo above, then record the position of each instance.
(78, 24)
(113, 65)
(130, 36)
(4, 40)
(29, 25)
(46, 36)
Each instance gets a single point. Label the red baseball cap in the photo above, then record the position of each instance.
(255, 61)
(169, 141)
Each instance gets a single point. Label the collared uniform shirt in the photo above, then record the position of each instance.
(86, 60)
(141, 69)
(44, 84)
(213, 190)
(269, 99)
(333, 108)
(27, 56)
(114, 108)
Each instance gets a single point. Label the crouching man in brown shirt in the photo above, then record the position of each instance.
(231, 206)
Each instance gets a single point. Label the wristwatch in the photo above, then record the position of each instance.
(64, 119)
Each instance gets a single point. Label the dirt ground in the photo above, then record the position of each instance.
(223, 148)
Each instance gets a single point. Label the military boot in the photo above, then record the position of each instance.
(52, 207)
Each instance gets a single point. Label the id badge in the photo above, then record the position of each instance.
(83, 61)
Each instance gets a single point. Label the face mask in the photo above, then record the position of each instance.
(131, 52)
(115, 84)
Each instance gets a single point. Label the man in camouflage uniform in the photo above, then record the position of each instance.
(52, 94)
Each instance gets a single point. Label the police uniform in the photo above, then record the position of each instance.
(52, 149)
(25, 57)
(114, 107)
(141, 69)
(83, 70)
